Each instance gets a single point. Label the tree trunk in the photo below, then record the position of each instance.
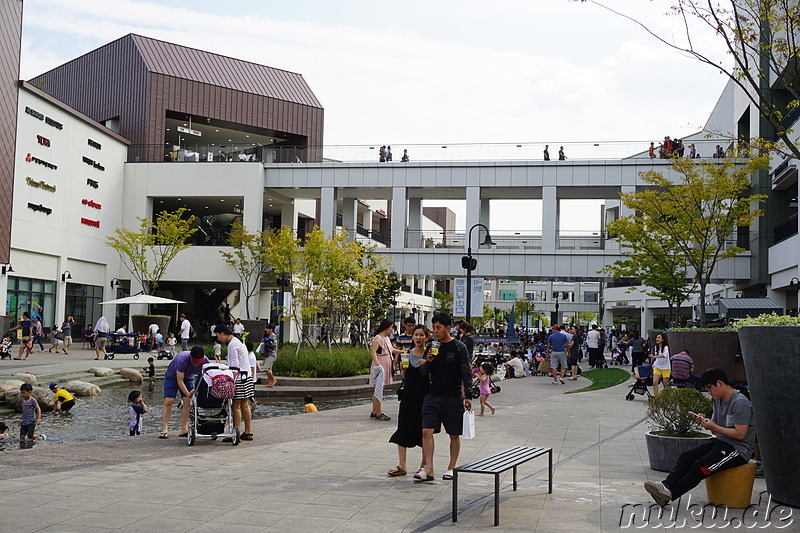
(702, 303)
(247, 306)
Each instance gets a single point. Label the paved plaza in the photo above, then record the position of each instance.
(327, 472)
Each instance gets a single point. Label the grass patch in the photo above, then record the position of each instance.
(339, 362)
(603, 378)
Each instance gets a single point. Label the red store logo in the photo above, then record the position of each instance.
(91, 203)
(92, 223)
(43, 140)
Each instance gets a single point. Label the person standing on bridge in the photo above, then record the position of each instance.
(547, 152)
(561, 156)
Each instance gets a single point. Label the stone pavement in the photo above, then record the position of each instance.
(327, 472)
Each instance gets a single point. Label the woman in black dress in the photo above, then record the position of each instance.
(415, 387)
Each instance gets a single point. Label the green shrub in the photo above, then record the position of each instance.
(339, 362)
(209, 351)
(770, 319)
(669, 412)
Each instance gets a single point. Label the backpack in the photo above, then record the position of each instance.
(222, 387)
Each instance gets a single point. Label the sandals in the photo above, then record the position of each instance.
(183, 434)
(163, 435)
(448, 475)
(422, 475)
(246, 436)
(380, 417)
(397, 471)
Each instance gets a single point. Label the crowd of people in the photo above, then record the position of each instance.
(385, 155)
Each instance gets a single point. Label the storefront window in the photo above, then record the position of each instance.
(83, 303)
(33, 297)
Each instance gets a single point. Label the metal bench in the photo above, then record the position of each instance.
(497, 464)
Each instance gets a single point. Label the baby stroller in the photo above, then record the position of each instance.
(619, 357)
(209, 415)
(5, 348)
(644, 379)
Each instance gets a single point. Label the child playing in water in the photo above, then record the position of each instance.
(3, 431)
(31, 414)
(136, 410)
(151, 371)
(486, 371)
(309, 406)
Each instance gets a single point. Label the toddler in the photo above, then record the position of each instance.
(55, 340)
(217, 351)
(136, 410)
(151, 371)
(171, 342)
(309, 406)
(486, 371)
(66, 399)
(31, 414)
(159, 340)
(3, 431)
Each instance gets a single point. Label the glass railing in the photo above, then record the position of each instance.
(455, 152)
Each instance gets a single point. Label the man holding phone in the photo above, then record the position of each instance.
(733, 426)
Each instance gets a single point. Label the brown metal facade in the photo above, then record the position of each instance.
(10, 47)
(139, 79)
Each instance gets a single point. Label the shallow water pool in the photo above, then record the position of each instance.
(106, 415)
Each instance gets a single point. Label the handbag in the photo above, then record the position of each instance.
(401, 390)
(468, 431)
(59, 336)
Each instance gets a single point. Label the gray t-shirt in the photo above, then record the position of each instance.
(737, 410)
(637, 344)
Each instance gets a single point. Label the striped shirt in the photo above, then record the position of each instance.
(681, 366)
(29, 410)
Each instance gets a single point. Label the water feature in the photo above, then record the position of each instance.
(106, 416)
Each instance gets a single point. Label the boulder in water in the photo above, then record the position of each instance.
(11, 384)
(101, 371)
(82, 388)
(131, 374)
(26, 377)
(43, 396)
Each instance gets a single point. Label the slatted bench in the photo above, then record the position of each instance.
(497, 464)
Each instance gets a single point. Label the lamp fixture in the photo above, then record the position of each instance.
(114, 282)
(65, 276)
(7, 269)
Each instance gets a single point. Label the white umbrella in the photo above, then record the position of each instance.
(142, 299)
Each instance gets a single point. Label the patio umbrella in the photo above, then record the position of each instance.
(147, 299)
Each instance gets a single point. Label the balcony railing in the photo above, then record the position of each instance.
(786, 229)
(506, 240)
(523, 151)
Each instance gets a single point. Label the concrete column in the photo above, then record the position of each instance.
(366, 219)
(253, 216)
(350, 217)
(61, 293)
(473, 214)
(624, 211)
(648, 316)
(549, 219)
(289, 216)
(414, 223)
(399, 212)
(327, 210)
(485, 213)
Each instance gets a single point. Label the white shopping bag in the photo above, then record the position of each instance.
(468, 432)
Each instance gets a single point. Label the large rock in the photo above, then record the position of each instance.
(131, 374)
(101, 371)
(82, 388)
(26, 377)
(11, 384)
(43, 396)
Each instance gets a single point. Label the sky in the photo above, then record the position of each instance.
(543, 71)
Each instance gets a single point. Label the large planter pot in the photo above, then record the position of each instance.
(709, 349)
(255, 328)
(663, 452)
(140, 323)
(771, 355)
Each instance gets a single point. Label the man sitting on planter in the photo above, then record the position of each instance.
(733, 426)
(682, 368)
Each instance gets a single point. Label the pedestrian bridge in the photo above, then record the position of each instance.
(415, 251)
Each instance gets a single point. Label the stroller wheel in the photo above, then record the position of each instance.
(191, 437)
(236, 437)
(629, 396)
(213, 436)
(136, 357)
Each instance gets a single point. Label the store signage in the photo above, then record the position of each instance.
(94, 144)
(622, 304)
(190, 131)
(92, 183)
(93, 163)
(32, 112)
(30, 159)
(43, 141)
(91, 203)
(40, 208)
(92, 223)
(40, 185)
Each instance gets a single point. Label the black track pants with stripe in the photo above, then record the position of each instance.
(699, 463)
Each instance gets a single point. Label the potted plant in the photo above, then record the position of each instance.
(141, 323)
(771, 351)
(673, 430)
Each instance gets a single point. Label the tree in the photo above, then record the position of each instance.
(249, 258)
(649, 258)
(695, 217)
(760, 36)
(147, 253)
(524, 308)
(443, 301)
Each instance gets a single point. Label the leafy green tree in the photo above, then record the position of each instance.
(249, 259)
(443, 301)
(763, 52)
(696, 217)
(524, 308)
(147, 252)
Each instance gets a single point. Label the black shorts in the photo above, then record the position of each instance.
(66, 406)
(574, 358)
(26, 430)
(447, 410)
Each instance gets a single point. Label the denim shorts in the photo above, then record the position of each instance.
(171, 389)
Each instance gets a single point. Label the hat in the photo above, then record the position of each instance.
(181, 315)
(556, 326)
(53, 386)
(197, 352)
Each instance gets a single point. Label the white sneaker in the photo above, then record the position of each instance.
(660, 493)
(44, 437)
(554, 383)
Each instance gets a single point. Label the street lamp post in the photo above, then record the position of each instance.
(469, 264)
(795, 284)
(413, 305)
